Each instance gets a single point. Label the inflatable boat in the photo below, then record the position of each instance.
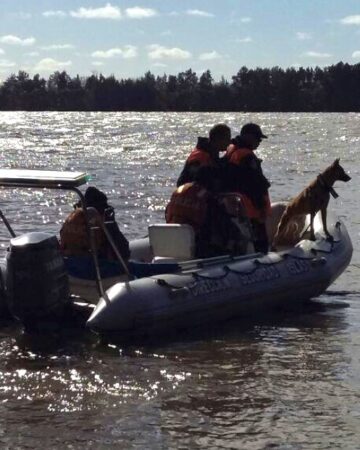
(164, 288)
(202, 292)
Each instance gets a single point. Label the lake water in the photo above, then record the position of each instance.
(292, 382)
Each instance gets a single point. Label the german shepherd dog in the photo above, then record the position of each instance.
(315, 197)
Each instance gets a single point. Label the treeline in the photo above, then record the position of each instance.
(334, 88)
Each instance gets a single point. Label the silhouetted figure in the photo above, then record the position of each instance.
(244, 175)
(73, 234)
(206, 154)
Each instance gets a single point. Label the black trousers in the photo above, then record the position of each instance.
(261, 240)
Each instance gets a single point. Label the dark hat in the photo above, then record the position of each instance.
(254, 129)
(94, 197)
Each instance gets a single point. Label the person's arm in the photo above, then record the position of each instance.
(188, 174)
(248, 178)
(258, 183)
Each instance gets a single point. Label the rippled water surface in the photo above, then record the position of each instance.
(290, 382)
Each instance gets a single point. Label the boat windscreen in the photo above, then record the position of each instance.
(42, 178)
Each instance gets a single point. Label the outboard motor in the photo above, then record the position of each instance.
(37, 284)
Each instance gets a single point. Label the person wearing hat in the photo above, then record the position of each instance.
(245, 176)
(206, 154)
(73, 234)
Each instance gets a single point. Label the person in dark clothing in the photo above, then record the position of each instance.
(193, 203)
(73, 234)
(245, 176)
(206, 153)
(212, 214)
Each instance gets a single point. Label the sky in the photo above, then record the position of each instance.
(128, 38)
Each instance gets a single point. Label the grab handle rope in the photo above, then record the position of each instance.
(257, 264)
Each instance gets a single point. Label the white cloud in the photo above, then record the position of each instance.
(32, 54)
(244, 40)
(303, 36)
(97, 63)
(15, 40)
(6, 64)
(356, 54)
(129, 51)
(319, 55)
(351, 20)
(106, 12)
(2, 51)
(209, 56)
(57, 47)
(160, 52)
(159, 64)
(57, 13)
(50, 64)
(140, 13)
(245, 19)
(111, 53)
(199, 13)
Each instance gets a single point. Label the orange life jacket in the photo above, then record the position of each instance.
(201, 156)
(235, 156)
(73, 234)
(188, 205)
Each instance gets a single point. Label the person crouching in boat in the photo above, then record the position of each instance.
(74, 239)
(206, 153)
(244, 175)
(212, 216)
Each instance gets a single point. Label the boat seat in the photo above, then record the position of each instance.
(172, 241)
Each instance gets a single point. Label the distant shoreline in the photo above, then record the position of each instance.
(170, 112)
(334, 88)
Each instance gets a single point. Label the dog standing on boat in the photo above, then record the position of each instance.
(315, 197)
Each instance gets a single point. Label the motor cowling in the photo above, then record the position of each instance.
(37, 285)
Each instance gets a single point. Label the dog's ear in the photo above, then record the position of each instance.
(336, 162)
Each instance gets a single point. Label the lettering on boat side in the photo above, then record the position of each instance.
(203, 287)
(260, 274)
(297, 266)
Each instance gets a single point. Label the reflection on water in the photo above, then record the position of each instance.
(237, 383)
(289, 381)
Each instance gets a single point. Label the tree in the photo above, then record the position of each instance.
(333, 88)
(206, 92)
